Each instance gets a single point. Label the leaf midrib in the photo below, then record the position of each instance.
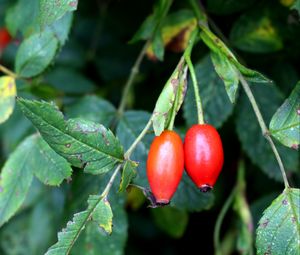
(66, 134)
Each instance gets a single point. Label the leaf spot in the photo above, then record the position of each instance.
(68, 145)
(265, 223)
(295, 146)
(284, 202)
(298, 111)
(73, 4)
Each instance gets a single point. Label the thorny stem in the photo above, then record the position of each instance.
(187, 57)
(134, 71)
(220, 219)
(8, 72)
(264, 128)
(138, 139)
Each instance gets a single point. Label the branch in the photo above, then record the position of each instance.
(8, 72)
(264, 128)
(130, 81)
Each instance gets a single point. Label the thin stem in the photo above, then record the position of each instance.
(220, 219)
(138, 139)
(264, 128)
(200, 14)
(134, 71)
(7, 71)
(173, 115)
(111, 181)
(187, 57)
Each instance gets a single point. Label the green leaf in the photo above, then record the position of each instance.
(279, 228)
(146, 30)
(150, 26)
(129, 173)
(69, 81)
(227, 72)
(166, 99)
(13, 131)
(252, 75)
(50, 168)
(94, 241)
(251, 137)
(92, 108)
(296, 6)
(32, 156)
(61, 28)
(35, 54)
(98, 210)
(255, 31)
(285, 124)
(173, 33)
(16, 177)
(171, 220)
(219, 47)
(241, 206)
(23, 17)
(8, 93)
(217, 107)
(102, 214)
(181, 91)
(158, 46)
(83, 143)
(52, 10)
(189, 198)
(130, 126)
(33, 230)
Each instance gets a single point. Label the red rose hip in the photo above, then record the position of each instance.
(165, 165)
(5, 38)
(203, 155)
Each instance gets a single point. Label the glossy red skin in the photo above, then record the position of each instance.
(203, 155)
(165, 165)
(5, 38)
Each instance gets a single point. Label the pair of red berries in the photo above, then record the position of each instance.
(201, 155)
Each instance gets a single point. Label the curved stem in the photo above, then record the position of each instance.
(134, 71)
(111, 181)
(187, 57)
(220, 219)
(8, 72)
(264, 128)
(138, 139)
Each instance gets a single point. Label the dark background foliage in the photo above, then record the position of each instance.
(97, 59)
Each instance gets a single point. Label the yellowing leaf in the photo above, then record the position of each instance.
(8, 93)
(175, 32)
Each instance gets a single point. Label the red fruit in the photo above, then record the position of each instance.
(203, 155)
(165, 165)
(5, 38)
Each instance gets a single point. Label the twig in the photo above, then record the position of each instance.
(8, 72)
(264, 128)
